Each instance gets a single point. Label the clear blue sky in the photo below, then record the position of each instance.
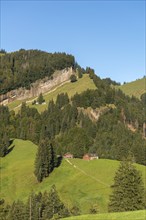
(108, 36)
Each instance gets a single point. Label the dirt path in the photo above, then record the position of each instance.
(82, 171)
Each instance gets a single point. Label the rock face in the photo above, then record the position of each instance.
(94, 114)
(40, 86)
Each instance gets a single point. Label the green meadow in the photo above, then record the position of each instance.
(78, 182)
(135, 88)
(136, 215)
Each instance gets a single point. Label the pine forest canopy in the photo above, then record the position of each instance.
(38, 206)
(109, 137)
(23, 67)
(64, 127)
(72, 131)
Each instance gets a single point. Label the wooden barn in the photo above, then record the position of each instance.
(86, 157)
(90, 157)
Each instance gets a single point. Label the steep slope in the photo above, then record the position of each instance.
(135, 88)
(22, 68)
(17, 170)
(78, 182)
(81, 85)
(58, 78)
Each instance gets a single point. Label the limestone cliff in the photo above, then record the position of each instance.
(40, 86)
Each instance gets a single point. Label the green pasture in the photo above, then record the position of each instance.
(136, 215)
(135, 88)
(79, 182)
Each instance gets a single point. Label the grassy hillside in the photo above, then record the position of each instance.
(78, 182)
(16, 168)
(81, 85)
(136, 88)
(137, 215)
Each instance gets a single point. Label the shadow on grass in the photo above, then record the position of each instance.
(10, 149)
(59, 161)
(11, 142)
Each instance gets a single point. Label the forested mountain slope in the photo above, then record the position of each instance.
(23, 67)
(84, 116)
(116, 133)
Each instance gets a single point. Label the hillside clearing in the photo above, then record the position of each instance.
(136, 88)
(82, 183)
(81, 85)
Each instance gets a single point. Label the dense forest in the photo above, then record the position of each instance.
(23, 67)
(66, 127)
(38, 206)
(70, 129)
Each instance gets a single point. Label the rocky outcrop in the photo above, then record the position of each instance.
(40, 86)
(94, 114)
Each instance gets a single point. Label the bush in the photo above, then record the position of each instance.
(40, 99)
(73, 78)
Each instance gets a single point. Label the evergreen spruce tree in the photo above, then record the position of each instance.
(62, 99)
(4, 211)
(73, 78)
(79, 71)
(40, 99)
(4, 130)
(54, 206)
(44, 163)
(128, 189)
(34, 206)
(17, 211)
(4, 142)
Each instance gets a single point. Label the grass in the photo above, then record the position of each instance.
(16, 168)
(136, 88)
(136, 215)
(14, 104)
(83, 183)
(2, 54)
(81, 85)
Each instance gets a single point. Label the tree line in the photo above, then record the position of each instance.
(47, 205)
(69, 129)
(64, 127)
(23, 67)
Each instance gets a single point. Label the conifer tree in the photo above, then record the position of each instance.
(4, 210)
(4, 130)
(34, 206)
(128, 189)
(17, 211)
(44, 163)
(4, 142)
(54, 206)
(73, 78)
(40, 99)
